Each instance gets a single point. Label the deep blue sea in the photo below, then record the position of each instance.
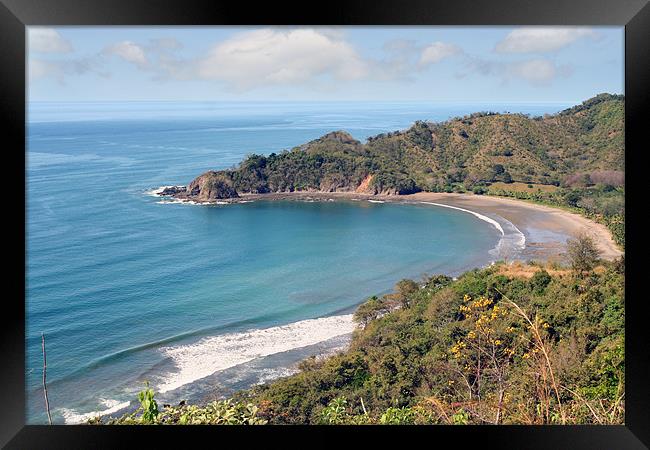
(203, 300)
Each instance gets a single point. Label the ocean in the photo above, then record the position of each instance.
(201, 301)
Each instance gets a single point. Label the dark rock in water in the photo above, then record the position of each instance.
(173, 190)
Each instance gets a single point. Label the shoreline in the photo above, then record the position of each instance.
(545, 228)
(529, 218)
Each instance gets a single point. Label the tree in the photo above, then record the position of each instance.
(572, 198)
(583, 253)
(404, 289)
(370, 310)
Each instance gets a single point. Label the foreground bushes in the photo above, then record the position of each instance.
(489, 348)
(510, 344)
(224, 412)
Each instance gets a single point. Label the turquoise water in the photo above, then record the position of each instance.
(127, 288)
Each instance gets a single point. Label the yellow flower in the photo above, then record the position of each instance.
(497, 342)
(526, 355)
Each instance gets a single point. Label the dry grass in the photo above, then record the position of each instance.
(518, 269)
(523, 187)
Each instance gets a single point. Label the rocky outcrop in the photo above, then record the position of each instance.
(173, 191)
(212, 186)
(366, 186)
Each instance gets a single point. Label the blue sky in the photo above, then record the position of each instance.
(433, 64)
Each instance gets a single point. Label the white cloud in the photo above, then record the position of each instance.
(60, 69)
(129, 52)
(46, 40)
(436, 52)
(164, 44)
(272, 56)
(39, 69)
(541, 39)
(536, 71)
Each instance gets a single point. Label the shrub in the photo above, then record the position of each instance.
(583, 253)
(539, 281)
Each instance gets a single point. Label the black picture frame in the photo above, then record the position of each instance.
(15, 15)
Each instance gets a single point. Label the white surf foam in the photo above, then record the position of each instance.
(177, 201)
(512, 238)
(493, 222)
(216, 353)
(73, 417)
(376, 201)
(157, 191)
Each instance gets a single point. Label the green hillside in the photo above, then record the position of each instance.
(579, 150)
(577, 145)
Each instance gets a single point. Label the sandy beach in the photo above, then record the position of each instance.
(546, 229)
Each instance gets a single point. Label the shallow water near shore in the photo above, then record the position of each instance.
(204, 300)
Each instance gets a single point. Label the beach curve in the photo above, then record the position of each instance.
(545, 229)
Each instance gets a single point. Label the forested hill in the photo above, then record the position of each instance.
(585, 142)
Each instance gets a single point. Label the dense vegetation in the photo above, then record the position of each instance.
(583, 144)
(517, 343)
(491, 347)
(573, 159)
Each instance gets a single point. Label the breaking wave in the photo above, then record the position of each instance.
(216, 353)
(512, 239)
(112, 406)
